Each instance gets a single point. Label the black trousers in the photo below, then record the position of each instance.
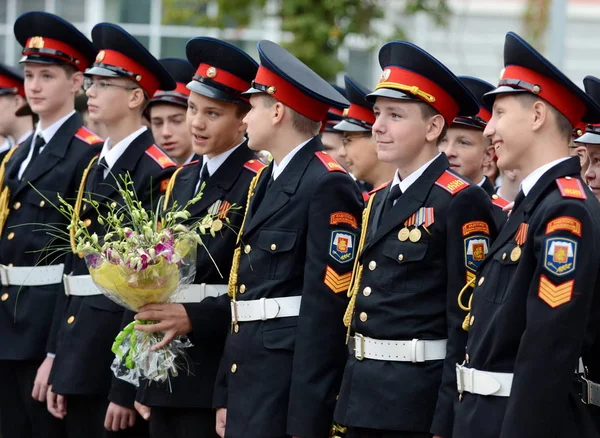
(20, 415)
(182, 423)
(359, 432)
(85, 419)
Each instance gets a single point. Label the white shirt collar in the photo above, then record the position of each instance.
(215, 162)
(6, 144)
(410, 179)
(480, 183)
(279, 168)
(112, 154)
(24, 136)
(49, 132)
(530, 180)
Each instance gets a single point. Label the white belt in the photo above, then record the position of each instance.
(590, 392)
(80, 286)
(483, 382)
(265, 308)
(31, 275)
(194, 293)
(398, 351)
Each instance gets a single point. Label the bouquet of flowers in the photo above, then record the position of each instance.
(144, 257)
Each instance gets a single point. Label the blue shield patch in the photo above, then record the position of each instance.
(342, 246)
(476, 248)
(560, 256)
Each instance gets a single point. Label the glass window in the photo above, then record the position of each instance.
(2, 54)
(127, 11)
(183, 12)
(29, 5)
(173, 47)
(3, 6)
(71, 10)
(360, 66)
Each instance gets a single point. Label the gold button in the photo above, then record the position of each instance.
(87, 222)
(233, 368)
(504, 256)
(247, 249)
(42, 203)
(236, 328)
(273, 247)
(11, 235)
(367, 291)
(363, 316)
(472, 321)
(494, 196)
(10, 265)
(400, 257)
(467, 358)
(372, 265)
(567, 177)
(4, 297)
(70, 320)
(17, 205)
(242, 288)
(481, 280)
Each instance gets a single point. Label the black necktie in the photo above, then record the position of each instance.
(36, 145)
(518, 199)
(393, 195)
(101, 167)
(204, 175)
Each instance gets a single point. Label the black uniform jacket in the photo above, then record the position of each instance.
(281, 376)
(535, 309)
(84, 328)
(409, 291)
(26, 312)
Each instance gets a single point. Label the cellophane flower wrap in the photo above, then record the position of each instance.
(144, 257)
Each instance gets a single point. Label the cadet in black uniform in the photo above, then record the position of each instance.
(283, 358)
(12, 97)
(415, 255)
(536, 302)
(215, 114)
(467, 149)
(52, 160)
(118, 85)
(330, 137)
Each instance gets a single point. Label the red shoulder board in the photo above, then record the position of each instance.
(160, 157)
(87, 136)
(253, 165)
(499, 201)
(191, 163)
(571, 188)
(365, 196)
(329, 162)
(451, 183)
(382, 186)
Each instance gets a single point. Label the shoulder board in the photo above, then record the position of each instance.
(451, 183)
(382, 186)
(87, 136)
(365, 196)
(253, 165)
(571, 188)
(160, 157)
(191, 163)
(499, 201)
(329, 162)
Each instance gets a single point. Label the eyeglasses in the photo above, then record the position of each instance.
(346, 140)
(102, 85)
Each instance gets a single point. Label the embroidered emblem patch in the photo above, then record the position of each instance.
(565, 223)
(560, 256)
(476, 248)
(163, 185)
(341, 247)
(341, 217)
(336, 282)
(475, 227)
(555, 295)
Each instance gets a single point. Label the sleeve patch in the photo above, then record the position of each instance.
(471, 277)
(329, 162)
(451, 183)
(555, 295)
(571, 188)
(164, 184)
(565, 223)
(476, 248)
(341, 217)
(336, 282)
(253, 165)
(342, 246)
(475, 227)
(560, 256)
(160, 157)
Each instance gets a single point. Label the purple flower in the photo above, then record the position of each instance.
(164, 250)
(93, 259)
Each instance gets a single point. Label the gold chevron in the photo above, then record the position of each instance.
(555, 295)
(336, 282)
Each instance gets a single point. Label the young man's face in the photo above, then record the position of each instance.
(509, 131)
(360, 154)
(467, 150)
(215, 125)
(49, 89)
(258, 122)
(8, 106)
(332, 144)
(592, 174)
(399, 130)
(170, 130)
(108, 98)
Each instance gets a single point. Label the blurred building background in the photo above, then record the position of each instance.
(470, 44)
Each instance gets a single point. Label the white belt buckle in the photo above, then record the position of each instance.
(359, 346)
(417, 351)
(461, 373)
(203, 290)
(262, 304)
(66, 283)
(4, 276)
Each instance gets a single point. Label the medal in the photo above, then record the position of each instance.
(403, 234)
(415, 235)
(217, 225)
(515, 254)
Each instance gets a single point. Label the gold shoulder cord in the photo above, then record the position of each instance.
(233, 276)
(357, 270)
(467, 308)
(4, 191)
(78, 202)
(170, 188)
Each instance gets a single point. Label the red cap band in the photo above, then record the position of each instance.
(55, 49)
(484, 114)
(290, 95)
(566, 102)
(222, 77)
(336, 111)
(181, 89)
(419, 86)
(7, 82)
(360, 113)
(139, 74)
